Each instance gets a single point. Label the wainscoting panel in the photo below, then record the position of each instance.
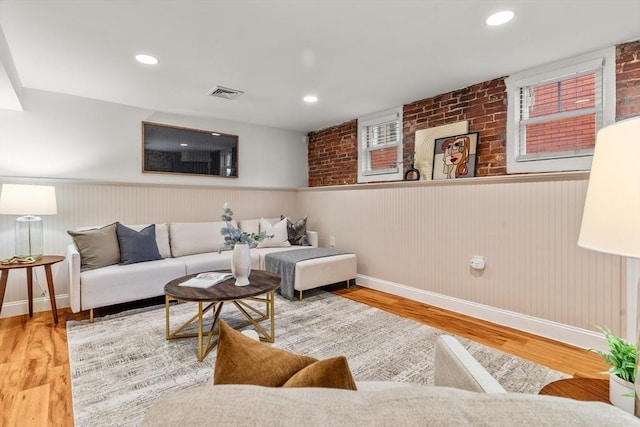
(416, 235)
(423, 235)
(94, 204)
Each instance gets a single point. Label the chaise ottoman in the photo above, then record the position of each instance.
(310, 268)
(318, 272)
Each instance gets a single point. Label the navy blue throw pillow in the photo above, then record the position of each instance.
(137, 246)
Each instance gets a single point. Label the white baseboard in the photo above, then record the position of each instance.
(17, 308)
(545, 328)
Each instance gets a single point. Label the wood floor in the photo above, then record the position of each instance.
(35, 385)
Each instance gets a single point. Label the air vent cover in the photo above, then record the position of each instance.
(225, 92)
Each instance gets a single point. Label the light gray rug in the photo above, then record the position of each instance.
(120, 364)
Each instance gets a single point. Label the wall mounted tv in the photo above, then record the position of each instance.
(173, 149)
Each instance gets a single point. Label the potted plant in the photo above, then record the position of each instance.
(622, 374)
(240, 242)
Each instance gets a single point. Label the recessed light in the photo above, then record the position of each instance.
(184, 145)
(310, 98)
(146, 59)
(500, 18)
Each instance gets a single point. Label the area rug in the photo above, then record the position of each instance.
(121, 364)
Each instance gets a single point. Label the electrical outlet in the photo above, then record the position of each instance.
(332, 241)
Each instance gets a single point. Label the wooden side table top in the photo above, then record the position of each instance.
(261, 282)
(45, 260)
(589, 389)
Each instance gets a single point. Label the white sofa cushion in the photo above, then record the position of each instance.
(278, 232)
(404, 406)
(250, 226)
(121, 283)
(188, 238)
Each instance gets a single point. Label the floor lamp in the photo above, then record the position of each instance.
(28, 201)
(611, 218)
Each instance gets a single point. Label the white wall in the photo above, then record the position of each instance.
(416, 240)
(63, 136)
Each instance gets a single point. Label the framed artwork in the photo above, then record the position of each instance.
(424, 140)
(454, 157)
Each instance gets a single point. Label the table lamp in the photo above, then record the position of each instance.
(28, 201)
(611, 217)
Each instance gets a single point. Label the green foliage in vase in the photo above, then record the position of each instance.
(621, 356)
(233, 235)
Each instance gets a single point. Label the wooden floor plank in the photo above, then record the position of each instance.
(35, 381)
(31, 408)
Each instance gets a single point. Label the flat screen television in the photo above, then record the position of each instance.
(179, 150)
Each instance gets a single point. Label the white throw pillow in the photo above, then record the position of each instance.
(278, 231)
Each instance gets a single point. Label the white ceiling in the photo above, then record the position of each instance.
(357, 56)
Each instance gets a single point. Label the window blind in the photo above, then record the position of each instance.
(560, 117)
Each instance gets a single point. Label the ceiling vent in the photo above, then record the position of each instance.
(226, 93)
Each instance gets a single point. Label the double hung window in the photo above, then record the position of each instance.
(380, 146)
(555, 112)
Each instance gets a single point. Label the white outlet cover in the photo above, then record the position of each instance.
(477, 263)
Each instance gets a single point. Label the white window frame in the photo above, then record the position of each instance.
(516, 162)
(365, 174)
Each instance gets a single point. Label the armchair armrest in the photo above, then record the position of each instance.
(456, 367)
(73, 264)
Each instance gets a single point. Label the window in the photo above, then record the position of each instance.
(380, 146)
(556, 110)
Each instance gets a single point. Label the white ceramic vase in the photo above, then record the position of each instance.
(621, 393)
(241, 264)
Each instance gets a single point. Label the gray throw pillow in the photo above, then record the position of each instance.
(297, 231)
(98, 247)
(137, 246)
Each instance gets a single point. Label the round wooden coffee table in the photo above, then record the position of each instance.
(261, 290)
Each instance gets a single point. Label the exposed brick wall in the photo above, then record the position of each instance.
(333, 155)
(627, 80)
(484, 105)
(333, 152)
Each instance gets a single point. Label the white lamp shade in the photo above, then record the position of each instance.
(17, 199)
(611, 218)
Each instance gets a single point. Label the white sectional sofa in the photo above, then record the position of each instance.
(186, 248)
(464, 395)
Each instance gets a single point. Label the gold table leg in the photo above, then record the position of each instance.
(205, 345)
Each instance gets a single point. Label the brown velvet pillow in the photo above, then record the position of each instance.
(329, 373)
(243, 360)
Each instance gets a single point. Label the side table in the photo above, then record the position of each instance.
(589, 389)
(46, 261)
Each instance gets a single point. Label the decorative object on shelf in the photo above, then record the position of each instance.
(412, 174)
(454, 157)
(612, 206)
(28, 201)
(622, 359)
(240, 242)
(424, 141)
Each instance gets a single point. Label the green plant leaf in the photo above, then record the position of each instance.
(622, 355)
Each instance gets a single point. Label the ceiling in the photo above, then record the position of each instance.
(357, 56)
